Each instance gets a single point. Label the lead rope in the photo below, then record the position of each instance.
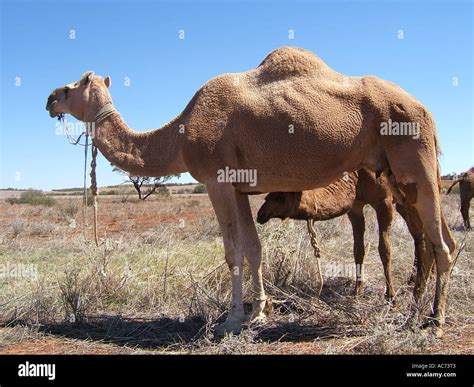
(94, 191)
(84, 197)
(92, 175)
(102, 114)
(317, 252)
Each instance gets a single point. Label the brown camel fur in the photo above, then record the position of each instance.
(466, 190)
(294, 122)
(348, 195)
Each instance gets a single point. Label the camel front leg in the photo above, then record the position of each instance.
(223, 199)
(253, 252)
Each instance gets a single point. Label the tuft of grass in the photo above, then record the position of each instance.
(69, 209)
(74, 294)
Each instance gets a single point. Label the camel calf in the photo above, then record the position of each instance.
(466, 190)
(348, 195)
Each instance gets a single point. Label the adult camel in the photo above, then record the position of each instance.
(294, 122)
(466, 191)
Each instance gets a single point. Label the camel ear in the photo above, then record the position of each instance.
(87, 77)
(107, 81)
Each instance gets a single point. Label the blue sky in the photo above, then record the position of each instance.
(140, 40)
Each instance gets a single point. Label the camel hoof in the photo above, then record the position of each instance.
(268, 309)
(258, 317)
(391, 301)
(228, 327)
(438, 332)
(358, 289)
(390, 298)
(260, 310)
(434, 326)
(435, 330)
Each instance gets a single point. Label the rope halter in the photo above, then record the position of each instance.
(104, 112)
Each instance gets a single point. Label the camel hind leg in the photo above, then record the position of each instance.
(419, 185)
(465, 204)
(429, 209)
(424, 257)
(413, 162)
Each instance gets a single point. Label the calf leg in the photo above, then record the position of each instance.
(384, 212)
(356, 216)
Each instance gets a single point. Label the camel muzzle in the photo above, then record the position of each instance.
(51, 101)
(262, 218)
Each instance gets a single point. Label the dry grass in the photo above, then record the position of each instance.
(158, 283)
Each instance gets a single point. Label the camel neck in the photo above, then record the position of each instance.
(153, 153)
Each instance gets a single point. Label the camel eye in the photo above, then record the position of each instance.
(66, 91)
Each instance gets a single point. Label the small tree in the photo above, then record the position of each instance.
(200, 188)
(141, 182)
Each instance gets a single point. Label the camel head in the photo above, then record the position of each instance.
(82, 99)
(281, 205)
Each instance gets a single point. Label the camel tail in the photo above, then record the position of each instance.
(436, 141)
(452, 185)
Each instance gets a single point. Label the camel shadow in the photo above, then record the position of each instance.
(168, 332)
(296, 332)
(163, 332)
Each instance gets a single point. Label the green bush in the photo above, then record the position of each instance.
(33, 197)
(12, 200)
(200, 188)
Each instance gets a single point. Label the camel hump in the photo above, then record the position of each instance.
(287, 62)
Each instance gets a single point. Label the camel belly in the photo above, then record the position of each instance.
(306, 160)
